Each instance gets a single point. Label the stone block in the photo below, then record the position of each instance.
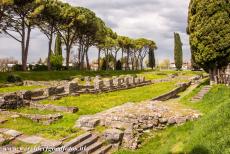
(113, 135)
(13, 133)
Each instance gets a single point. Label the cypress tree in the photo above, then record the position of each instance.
(58, 46)
(178, 55)
(152, 62)
(209, 32)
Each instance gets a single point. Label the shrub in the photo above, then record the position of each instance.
(13, 79)
(56, 62)
(39, 67)
(17, 67)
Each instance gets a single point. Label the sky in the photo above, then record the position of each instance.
(152, 19)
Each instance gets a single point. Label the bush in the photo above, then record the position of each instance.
(38, 67)
(17, 67)
(13, 79)
(56, 62)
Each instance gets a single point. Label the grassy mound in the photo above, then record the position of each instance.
(210, 134)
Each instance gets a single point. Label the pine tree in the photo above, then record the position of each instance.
(152, 61)
(178, 54)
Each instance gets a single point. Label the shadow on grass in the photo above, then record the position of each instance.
(199, 149)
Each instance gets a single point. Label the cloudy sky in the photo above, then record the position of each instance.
(152, 19)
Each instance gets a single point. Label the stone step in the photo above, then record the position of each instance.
(92, 148)
(77, 140)
(103, 150)
(86, 143)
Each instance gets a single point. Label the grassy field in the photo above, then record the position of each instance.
(88, 104)
(67, 75)
(209, 135)
(18, 88)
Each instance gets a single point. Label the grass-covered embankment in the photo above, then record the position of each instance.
(209, 135)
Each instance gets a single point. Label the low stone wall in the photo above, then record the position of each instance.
(53, 107)
(11, 101)
(182, 87)
(128, 122)
(44, 119)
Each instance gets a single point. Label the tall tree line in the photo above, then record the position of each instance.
(71, 26)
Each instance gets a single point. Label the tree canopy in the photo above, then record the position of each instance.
(72, 26)
(209, 30)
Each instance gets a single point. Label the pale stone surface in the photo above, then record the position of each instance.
(50, 143)
(12, 133)
(134, 119)
(31, 139)
(113, 135)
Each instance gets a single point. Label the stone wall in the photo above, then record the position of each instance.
(11, 101)
(181, 87)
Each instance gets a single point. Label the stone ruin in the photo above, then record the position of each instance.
(127, 123)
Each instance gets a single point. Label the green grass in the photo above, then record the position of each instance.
(208, 135)
(18, 88)
(67, 75)
(62, 75)
(91, 104)
(88, 104)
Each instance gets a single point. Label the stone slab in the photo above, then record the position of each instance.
(50, 143)
(12, 133)
(31, 139)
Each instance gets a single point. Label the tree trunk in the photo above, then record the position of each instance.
(127, 60)
(107, 59)
(98, 59)
(87, 58)
(82, 60)
(67, 55)
(50, 50)
(115, 60)
(25, 47)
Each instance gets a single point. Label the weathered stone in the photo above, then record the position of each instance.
(55, 90)
(31, 139)
(11, 101)
(113, 135)
(108, 83)
(171, 121)
(37, 93)
(181, 120)
(2, 139)
(26, 95)
(12, 133)
(50, 143)
(53, 107)
(71, 87)
(98, 84)
(87, 121)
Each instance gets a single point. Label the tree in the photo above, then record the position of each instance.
(152, 62)
(118, 65)
(178, 54)
(209, 31)
(58, 45)
(4, 4)
(46, 20)
(17, 23)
